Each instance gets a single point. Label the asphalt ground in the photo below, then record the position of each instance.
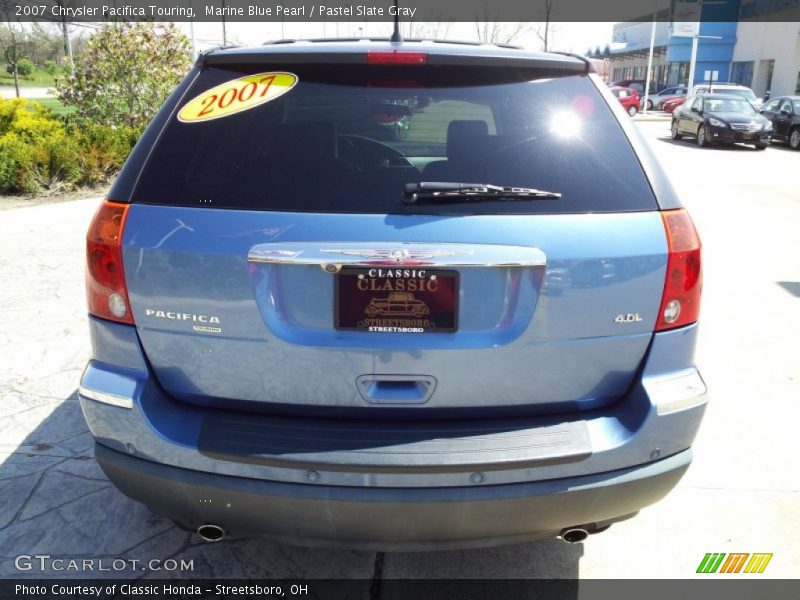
(742, 493)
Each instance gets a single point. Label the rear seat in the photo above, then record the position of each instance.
(467, 145)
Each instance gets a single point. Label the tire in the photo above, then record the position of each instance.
(649, 105)
(794, 138)
(702, 140)
(632, 110)
(761, 146)
(674, 130)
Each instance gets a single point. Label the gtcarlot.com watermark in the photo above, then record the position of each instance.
(46, 563)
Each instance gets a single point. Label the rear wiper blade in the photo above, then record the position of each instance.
(445, 191)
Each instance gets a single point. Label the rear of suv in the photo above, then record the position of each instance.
(393, 296)
(730, 89)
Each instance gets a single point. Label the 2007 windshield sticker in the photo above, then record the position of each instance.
(236, 96)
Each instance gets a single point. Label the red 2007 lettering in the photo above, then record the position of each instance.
(243, 94)
(266, 82)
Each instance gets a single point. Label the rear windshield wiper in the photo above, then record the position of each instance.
(445, 191)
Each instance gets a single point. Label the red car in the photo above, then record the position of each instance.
(628, 97)
(670, 104)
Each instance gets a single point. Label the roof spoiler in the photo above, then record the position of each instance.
(589, 66)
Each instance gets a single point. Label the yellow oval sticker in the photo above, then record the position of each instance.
(236, 96)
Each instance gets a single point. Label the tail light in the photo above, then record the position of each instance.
(680, 304)
(106, 293)
(396, 57)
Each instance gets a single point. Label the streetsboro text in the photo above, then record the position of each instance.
(310, 11)
(167, 589)
(102, 12)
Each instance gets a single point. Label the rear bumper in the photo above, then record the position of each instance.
(391, 518)
(380, 485)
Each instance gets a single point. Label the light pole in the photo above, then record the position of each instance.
(696, 35)
(693, 59)
(224, 30)
(191, 33)
(650, 56)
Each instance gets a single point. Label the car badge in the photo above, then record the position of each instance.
(398, 256)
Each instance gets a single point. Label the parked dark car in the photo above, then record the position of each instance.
(784, 114)
(629, 99)
(304, 327)
(720, 118)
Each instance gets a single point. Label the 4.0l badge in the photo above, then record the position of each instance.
(629, 318)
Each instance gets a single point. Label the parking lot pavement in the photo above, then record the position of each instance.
(9, 93)
(741, 494)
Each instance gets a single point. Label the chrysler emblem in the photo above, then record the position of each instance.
(399, 255)
(395, 255)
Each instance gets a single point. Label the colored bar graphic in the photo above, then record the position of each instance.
(733, 564)
(758, 563)
(710, 562)
(702, 567)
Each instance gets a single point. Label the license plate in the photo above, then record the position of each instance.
(396, 300)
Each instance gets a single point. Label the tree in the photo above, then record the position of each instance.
(428, 30)
(25, 66)
(493, 32)
(13, 43)
(45, 43)
(125, 72)
(543, 29)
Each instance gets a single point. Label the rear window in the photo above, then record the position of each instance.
(346, 138)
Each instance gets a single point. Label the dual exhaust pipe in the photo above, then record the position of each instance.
(569, 535)
(210, 532)
(574, 535)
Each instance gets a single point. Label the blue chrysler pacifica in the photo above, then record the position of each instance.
(393, 296)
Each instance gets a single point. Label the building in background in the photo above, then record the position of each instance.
(767, 54)
(735, 43)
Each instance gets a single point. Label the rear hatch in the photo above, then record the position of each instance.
(273, 263)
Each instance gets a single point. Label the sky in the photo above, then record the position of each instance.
(565, 37)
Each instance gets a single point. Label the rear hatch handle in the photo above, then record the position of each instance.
(332, 256)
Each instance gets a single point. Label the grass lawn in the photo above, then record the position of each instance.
(54, 105)
(38, 78)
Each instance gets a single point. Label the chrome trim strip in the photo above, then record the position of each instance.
(105, 397)
(676, 391)
(332, 256)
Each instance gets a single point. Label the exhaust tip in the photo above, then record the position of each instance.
(211, 532)
(573, 535)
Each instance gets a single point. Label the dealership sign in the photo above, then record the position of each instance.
(686, 19)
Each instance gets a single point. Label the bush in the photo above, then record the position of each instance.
(24, 67)
(51, 68)
(104, 149)
(125, 72)
(38, 150)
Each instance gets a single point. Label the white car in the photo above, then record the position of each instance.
(733, 89)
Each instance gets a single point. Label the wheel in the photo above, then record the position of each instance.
(794, 139)
(674, 130)
(632, 111)
(649, 105)
(702, 141)
(761, 146)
